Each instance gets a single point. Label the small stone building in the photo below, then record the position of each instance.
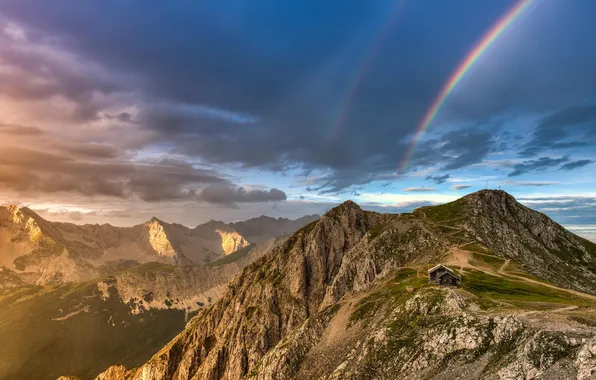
(443, 276)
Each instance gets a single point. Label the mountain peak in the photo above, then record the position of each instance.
(492, 194)
(485, 199)
(346, 206)
(154, 219)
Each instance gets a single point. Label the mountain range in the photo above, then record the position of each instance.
(43, 252)
(348, 297)
(76, 298)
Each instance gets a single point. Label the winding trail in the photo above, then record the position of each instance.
(460, 258)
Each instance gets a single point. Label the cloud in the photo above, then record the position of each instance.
(231, 195)
(576, 164)
(438, 179)
(20, 130)
(565, 209)
(35, 171)
(529, 183)
(567, 128)
(460, 187)
(419, 189)
(543, 163)
(234, 107)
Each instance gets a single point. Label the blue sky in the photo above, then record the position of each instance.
(116, 111)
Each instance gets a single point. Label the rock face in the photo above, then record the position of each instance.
(231, 241)
(43, 252)
(9, 279)
(331, 303)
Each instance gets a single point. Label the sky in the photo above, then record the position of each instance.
(115, 111)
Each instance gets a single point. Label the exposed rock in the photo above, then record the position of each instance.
(231, 241)
(9, 279)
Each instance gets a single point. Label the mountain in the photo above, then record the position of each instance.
(69, 293)
(44, 252)
(125, 315)
(347, 297)
(264, 228)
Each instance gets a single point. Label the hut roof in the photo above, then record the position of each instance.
(439, 266)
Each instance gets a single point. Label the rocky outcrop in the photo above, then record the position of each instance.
(159, 240)
(231, 241)
(9, 279)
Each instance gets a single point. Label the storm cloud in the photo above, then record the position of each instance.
(184, 104)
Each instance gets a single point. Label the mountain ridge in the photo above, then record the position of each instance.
(52, 252)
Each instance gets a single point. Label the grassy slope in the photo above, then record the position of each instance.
(490, 290)
(37, 347)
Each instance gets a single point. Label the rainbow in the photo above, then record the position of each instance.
(485, 42)
(362, 68)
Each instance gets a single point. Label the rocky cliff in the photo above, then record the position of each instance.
(346, 297)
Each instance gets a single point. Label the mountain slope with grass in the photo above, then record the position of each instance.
(495, 221)
(347, 297)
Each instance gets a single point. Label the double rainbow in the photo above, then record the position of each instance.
(488, 39)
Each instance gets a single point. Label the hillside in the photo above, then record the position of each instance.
(43, 252)
(346, 297)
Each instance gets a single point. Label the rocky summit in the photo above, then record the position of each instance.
(348, 297)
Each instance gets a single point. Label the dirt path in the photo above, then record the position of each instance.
(574, 292)
(461, 257)
(568, 308)
(502, 268)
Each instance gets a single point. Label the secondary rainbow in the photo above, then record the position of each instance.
(488, 39)
(344, 105)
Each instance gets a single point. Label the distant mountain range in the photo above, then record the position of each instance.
(43, 252)
(348, 297)
(74, 299)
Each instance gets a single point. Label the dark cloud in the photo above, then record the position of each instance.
(573, 210)
(438, 179)
(91, 150)
(277, 87)
(25, 169)
(259, 101)
(576, 164)
(543, 163)
(232, 195)
(568, 128)
(460, 187)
